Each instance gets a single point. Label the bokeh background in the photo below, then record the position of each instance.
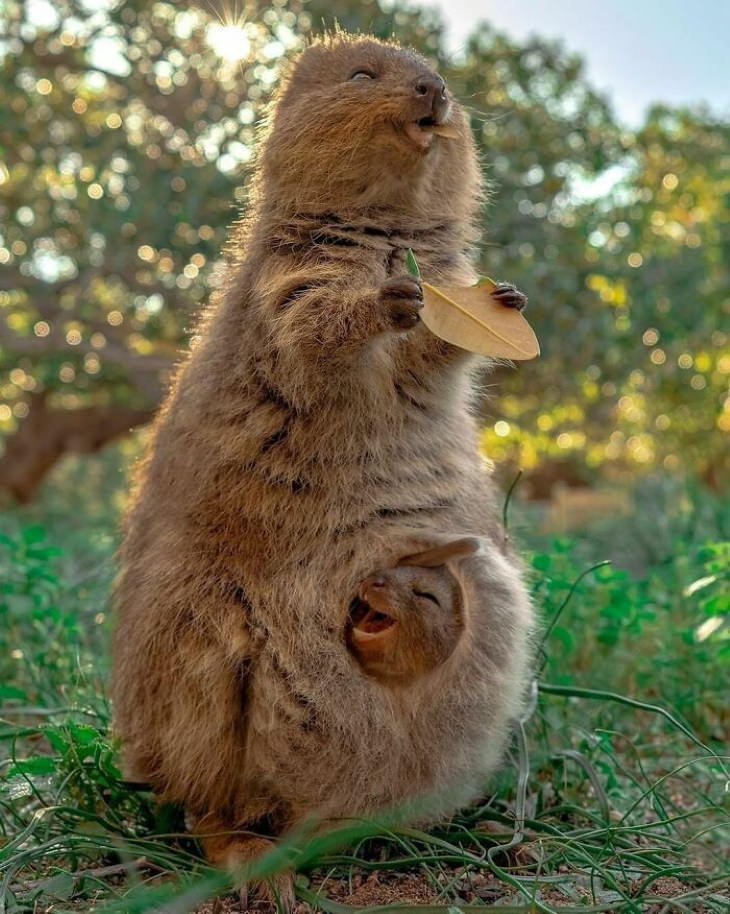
(127, 136)
(128, 131)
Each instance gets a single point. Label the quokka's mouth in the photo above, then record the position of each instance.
(367, 621)
(419, 132)
(422, 131)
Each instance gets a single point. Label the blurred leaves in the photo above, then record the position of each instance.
(661, 632)
(127, 136)
(45, 612)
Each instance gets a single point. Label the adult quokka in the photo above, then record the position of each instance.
(319, 431)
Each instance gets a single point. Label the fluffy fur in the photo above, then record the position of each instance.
(309, 439)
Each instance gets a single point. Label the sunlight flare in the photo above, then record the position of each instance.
(228, 41)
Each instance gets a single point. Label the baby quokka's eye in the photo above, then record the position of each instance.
(426, 596)
(363, 74)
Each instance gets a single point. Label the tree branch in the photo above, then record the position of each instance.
(47, 434)
(145, 371)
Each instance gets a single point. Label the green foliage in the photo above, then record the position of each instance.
(611, 611)
(629, 286)
(612, 783)
(29, 604)
(112, 269)
(713, 591)
(45, 619)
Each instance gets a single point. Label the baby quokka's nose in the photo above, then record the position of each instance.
(433, 90)
(371, 587)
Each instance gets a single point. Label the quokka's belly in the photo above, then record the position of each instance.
(332, 742)
(324, 738)
(422, 758)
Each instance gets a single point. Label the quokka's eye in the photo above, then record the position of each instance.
(362, 74)
(426, 596)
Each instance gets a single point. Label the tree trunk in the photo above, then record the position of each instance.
(47, 434)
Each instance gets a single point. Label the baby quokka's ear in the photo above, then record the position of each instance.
(444, 553)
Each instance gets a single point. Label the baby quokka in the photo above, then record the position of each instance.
(406, 621)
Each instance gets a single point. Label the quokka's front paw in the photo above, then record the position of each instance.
(403, 300)
(509, 296)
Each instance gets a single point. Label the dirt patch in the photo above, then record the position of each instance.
(227, 905)
(383, 888)
(377, 889)
(666, 887)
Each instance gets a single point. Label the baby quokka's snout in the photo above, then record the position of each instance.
(373, 612)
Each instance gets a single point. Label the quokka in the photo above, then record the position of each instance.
(317, 431)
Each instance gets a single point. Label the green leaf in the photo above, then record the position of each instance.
(82, 734)
(60, 886)
(565, 637)
(58, 739)
(34, 534)
(40, 765)
(717, 606)
(12, 692)
(412, 264)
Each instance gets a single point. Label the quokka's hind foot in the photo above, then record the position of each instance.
(233, 852)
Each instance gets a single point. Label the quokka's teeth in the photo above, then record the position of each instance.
(445, 130)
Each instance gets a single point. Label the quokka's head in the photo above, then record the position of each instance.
(406, 621)
(353, 126)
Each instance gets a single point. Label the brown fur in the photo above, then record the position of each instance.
(308, 439)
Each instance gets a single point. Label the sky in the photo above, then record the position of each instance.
(639, 51)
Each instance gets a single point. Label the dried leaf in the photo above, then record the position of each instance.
(445, 130)
(470, 318)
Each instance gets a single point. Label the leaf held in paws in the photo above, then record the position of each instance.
(470, 318)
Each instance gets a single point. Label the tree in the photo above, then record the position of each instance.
(544, 134)
(122, 134)
(126, 141)
(636, 376)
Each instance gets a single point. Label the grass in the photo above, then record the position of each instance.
(612, 798)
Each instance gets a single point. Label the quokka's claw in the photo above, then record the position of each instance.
(510, 296)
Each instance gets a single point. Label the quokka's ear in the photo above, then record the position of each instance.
(447, 552)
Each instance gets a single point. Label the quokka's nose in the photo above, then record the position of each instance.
(433, 89)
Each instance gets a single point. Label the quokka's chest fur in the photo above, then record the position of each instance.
(386, 438)
(288, 482)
